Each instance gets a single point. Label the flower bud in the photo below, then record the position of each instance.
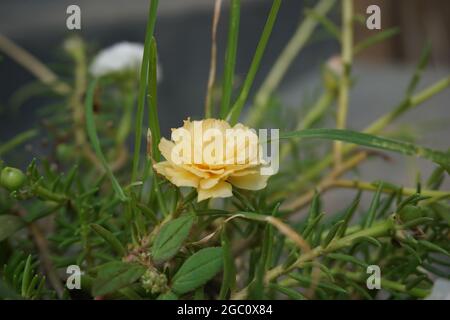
(153, 282)
(12, 178)
(410, 212)
(64, 151)
(332, 72)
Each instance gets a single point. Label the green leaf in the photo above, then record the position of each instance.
(230, 57)
(413, 283)
(349, 214)
(332, 233)
(17, 140)
(311, 226)
(434, 247)
(197, 270)
(110, 238)
(282, 65)
(291, 293)
(306, 281)
(229, 272)
(417, 222)
(371, 141)
(378, 37)
(152, 98)
(145, 66)
(93, 137)
(314, 210)
(412, 252)
(329, 25)
(171, 237)
(347, 258)
(371, 214)
(116, 275)
(26, 277)
(235, 112)
(371, 240)
(423, 62)
(436, 178)
(9, 224)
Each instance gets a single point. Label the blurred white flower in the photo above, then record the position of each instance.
(120, 57)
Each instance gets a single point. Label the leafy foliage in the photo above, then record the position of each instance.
(91, 202)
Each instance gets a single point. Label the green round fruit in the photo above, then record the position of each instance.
(64, 151)
(12, 178)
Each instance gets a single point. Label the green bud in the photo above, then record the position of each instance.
(64, 151)
(410, 212)
(153, 282)
(331, 73)
(12, 178)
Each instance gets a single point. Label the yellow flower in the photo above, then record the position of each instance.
(211, 156)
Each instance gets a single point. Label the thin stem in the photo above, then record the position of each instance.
(284, 61)
(230, 57)
(213, 64)
(407, 104)
(32, 64)
(235, 112)
(378, 230)
(388, 284)
(375, 127)
(386, 189)
(143, 87)
(125, 123)
(49, 195)
(344, 83)
(327, 182)
(77, 50)
(42, 246)
(319, 108)
(17, 140)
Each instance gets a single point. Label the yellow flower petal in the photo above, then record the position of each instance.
(220, 190)
(166, 146)
(253, 181)
(197, 161)
(177, 175)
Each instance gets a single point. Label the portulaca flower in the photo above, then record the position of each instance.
(212, 156)
(120, 57)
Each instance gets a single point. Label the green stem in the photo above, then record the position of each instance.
(407, 104)
(376, 127)
(388, 285)
(17, 140)
(235, 112)
(386, 189)
(312, 116)
(49, 195)
(142, 87)
(125, 123)
(284, 61)
(230, 57)
(372, 141)
(377, 230)
(95, 141)
(344, 84)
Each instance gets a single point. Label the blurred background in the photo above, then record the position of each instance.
(183, 33)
